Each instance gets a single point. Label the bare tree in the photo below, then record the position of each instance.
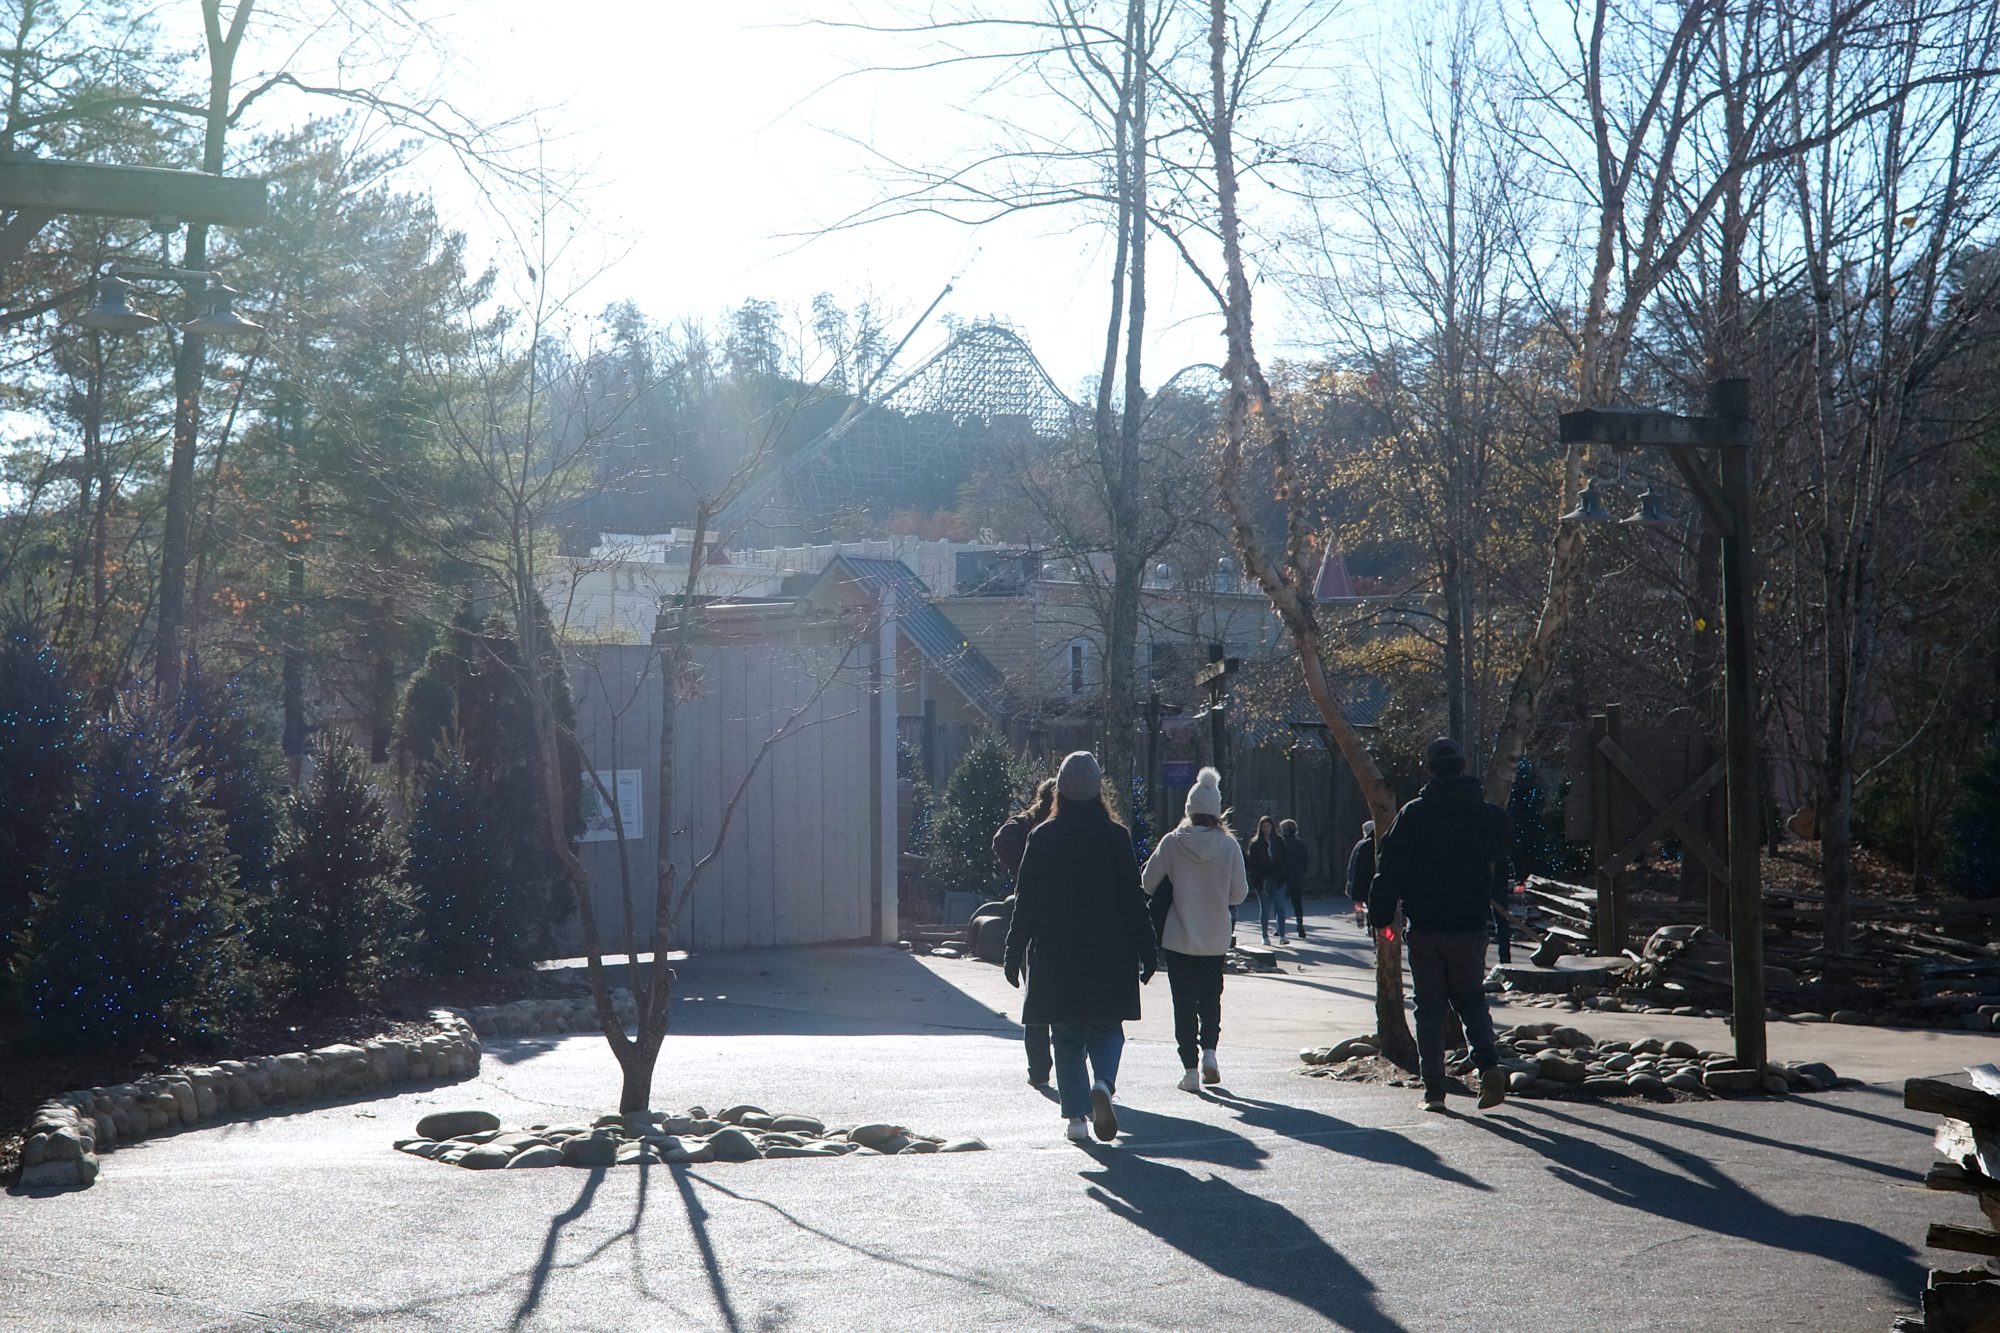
(1252, 416)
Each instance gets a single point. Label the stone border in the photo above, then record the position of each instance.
(70, 1131)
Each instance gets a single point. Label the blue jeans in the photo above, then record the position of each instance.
(1275, 896)
(1101, 1044)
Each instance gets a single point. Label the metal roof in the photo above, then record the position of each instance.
(932, 632)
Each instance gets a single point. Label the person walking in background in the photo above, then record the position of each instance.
(1361, 872)
(1078, 907)
(1298, 864)
(1010, 843)
(1266, 862)
(1441, 862)
(1201, 866)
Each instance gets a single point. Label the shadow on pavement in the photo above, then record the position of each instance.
(1043, 1314)
(1899, 1174)
(1151, 1134)
(852, 991)
(1304, 1125)
(1704, 1198)
(1238, 1235)
(545, 1262)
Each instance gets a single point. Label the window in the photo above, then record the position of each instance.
(1076, 652)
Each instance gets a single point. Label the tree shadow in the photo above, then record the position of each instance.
(513, 1050)
(1238, 1235)
(1704, 1198)
(545, 1262)
(1385, 1147)
(1044, 1314)
(711, 1267)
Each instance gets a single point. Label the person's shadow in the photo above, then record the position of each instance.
(1238, 1235)
(1305, 1125)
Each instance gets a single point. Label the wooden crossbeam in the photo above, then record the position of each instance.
(1679, 807)
(95, 190)
(1691, 838)
(1650, 429)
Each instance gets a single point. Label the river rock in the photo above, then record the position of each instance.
(798, 1124)
(486, 1157)
(734, 1114)
(874, 1133)
(452, 1124)
(590, 1150)
(543, 1155)
(963, 1145)
(733, 1145)
(1729, 1081)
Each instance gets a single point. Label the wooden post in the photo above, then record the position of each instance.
(1602, 775)
(1730, 399)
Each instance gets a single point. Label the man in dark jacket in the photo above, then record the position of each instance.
(1298, 863)
(1442, 863)
(1361, 872)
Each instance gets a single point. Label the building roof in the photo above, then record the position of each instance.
(1333, 584)
(930, 631)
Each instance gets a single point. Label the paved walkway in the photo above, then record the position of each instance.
(1280, 1202)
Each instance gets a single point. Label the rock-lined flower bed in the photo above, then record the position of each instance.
(70, 1131)
(743, 1133)
(1557, 1061)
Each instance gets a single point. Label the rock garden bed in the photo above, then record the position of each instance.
(1553, 1060)
(476, 1141)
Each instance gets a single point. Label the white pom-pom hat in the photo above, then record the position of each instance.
(1205, 797)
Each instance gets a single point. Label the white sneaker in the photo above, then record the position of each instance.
(1191, 1081)
(1211, 1072)
(1103, 1119)
(1078, 1131)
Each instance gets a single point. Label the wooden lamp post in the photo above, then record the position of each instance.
(1725, 431)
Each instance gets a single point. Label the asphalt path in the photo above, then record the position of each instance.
(1278, 1201)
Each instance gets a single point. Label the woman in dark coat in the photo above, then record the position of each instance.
(1078, 904)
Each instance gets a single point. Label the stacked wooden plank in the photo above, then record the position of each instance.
(1968, 1138)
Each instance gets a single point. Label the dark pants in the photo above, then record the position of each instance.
(1503, 934)
(1299, 906)
(1447, 969)
(1041, 1054)
(1196, 982)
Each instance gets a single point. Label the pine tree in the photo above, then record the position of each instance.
(1972, 829)
(342, 921)
(471, 920)
(225, 748)
(978, 798)
(41, 747)
(137, 930)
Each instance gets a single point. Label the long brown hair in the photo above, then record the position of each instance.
(1089, 805)
(1258, 836)
(1044, 803)
(1220, 821)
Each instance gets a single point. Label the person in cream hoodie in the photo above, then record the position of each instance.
(1204, 863)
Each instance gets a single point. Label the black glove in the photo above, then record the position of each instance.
(1146, 971)
(1013, 971)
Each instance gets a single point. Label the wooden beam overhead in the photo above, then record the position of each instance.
(1650, 429)
(32, 183)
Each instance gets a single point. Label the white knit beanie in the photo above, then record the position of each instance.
(1079, 778)
(1205, 797)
